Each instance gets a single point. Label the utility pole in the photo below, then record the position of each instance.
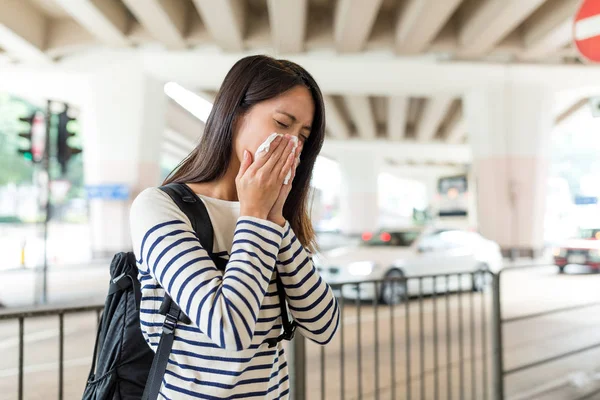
(46, 196)
(37, 152)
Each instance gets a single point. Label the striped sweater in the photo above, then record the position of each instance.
(223, 354)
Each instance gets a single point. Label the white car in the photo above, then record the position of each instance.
(411, 253)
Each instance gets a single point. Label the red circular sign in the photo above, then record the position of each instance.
(586, 30)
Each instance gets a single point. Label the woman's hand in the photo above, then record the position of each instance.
(259, 183)
(276, 213)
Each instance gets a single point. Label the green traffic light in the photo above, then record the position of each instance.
(28, 156)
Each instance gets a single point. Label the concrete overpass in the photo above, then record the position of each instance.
(414, 82)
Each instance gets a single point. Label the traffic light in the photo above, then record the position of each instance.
(35, 135)
(65, 151)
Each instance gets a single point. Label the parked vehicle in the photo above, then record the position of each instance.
(583, 250)
(409, 253)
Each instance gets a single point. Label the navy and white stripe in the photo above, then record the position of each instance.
(223, 354)
(311, 300)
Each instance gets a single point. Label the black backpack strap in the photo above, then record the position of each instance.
(289, 327)
(125, 281)
(161, 358)
(92, 373)
(194, 209)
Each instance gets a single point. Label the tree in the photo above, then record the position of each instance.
(13, 167)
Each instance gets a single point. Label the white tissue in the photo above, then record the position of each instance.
(266, 146)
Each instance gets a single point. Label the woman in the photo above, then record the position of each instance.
(262, 227)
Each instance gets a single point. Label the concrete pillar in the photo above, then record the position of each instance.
(509, 130)
(122, 120)
(472, 217)
(359, 206)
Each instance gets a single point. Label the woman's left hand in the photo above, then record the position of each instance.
(276, 214)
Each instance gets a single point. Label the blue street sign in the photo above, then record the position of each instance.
(108, 192)
(584, 200)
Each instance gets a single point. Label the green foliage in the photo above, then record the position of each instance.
(14, 167)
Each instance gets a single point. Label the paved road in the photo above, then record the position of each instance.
(523, 292)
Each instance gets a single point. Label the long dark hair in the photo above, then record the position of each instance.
(252, 80)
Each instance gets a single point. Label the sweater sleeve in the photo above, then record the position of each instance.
(310, 299)
(224, 306)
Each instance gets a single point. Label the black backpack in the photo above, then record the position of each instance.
(123, 362)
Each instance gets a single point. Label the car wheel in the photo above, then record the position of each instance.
(481, 278)
(561, 270)
(394, 290)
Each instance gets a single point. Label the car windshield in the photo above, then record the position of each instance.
(392, 239)
(589, 234)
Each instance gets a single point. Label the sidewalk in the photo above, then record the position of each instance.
(66, 284)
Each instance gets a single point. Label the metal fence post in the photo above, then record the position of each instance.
(497, 343)
(297, 361)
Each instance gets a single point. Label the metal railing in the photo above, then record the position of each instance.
(432, 341)
(434, 336)
(500, 372)
(21, 316)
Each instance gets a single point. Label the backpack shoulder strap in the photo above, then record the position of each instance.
(289, 327)
(161, 358)
(195, 210)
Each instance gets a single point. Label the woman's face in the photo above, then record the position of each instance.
(289, 113)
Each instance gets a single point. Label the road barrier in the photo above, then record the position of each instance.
(500, 372)
(59, 313)
(435, 336)
(431, 341)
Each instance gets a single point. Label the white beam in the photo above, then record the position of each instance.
(549, 29)
(225, 20)
(138, 35)
(107, 20)
(352, 23)
(396, 118)
(23, 31)
(456, 130)
(171, 149)
(206, 95)
(164, 19)
(370, 74)
(178, 139)
(5, 58)
(179, 120)
(44, 81)
(492, 21)
(434, 111)
(336, 124)
(287, 19)
(359, 108)
(404, 151)
(333, 72)
(419, 21)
